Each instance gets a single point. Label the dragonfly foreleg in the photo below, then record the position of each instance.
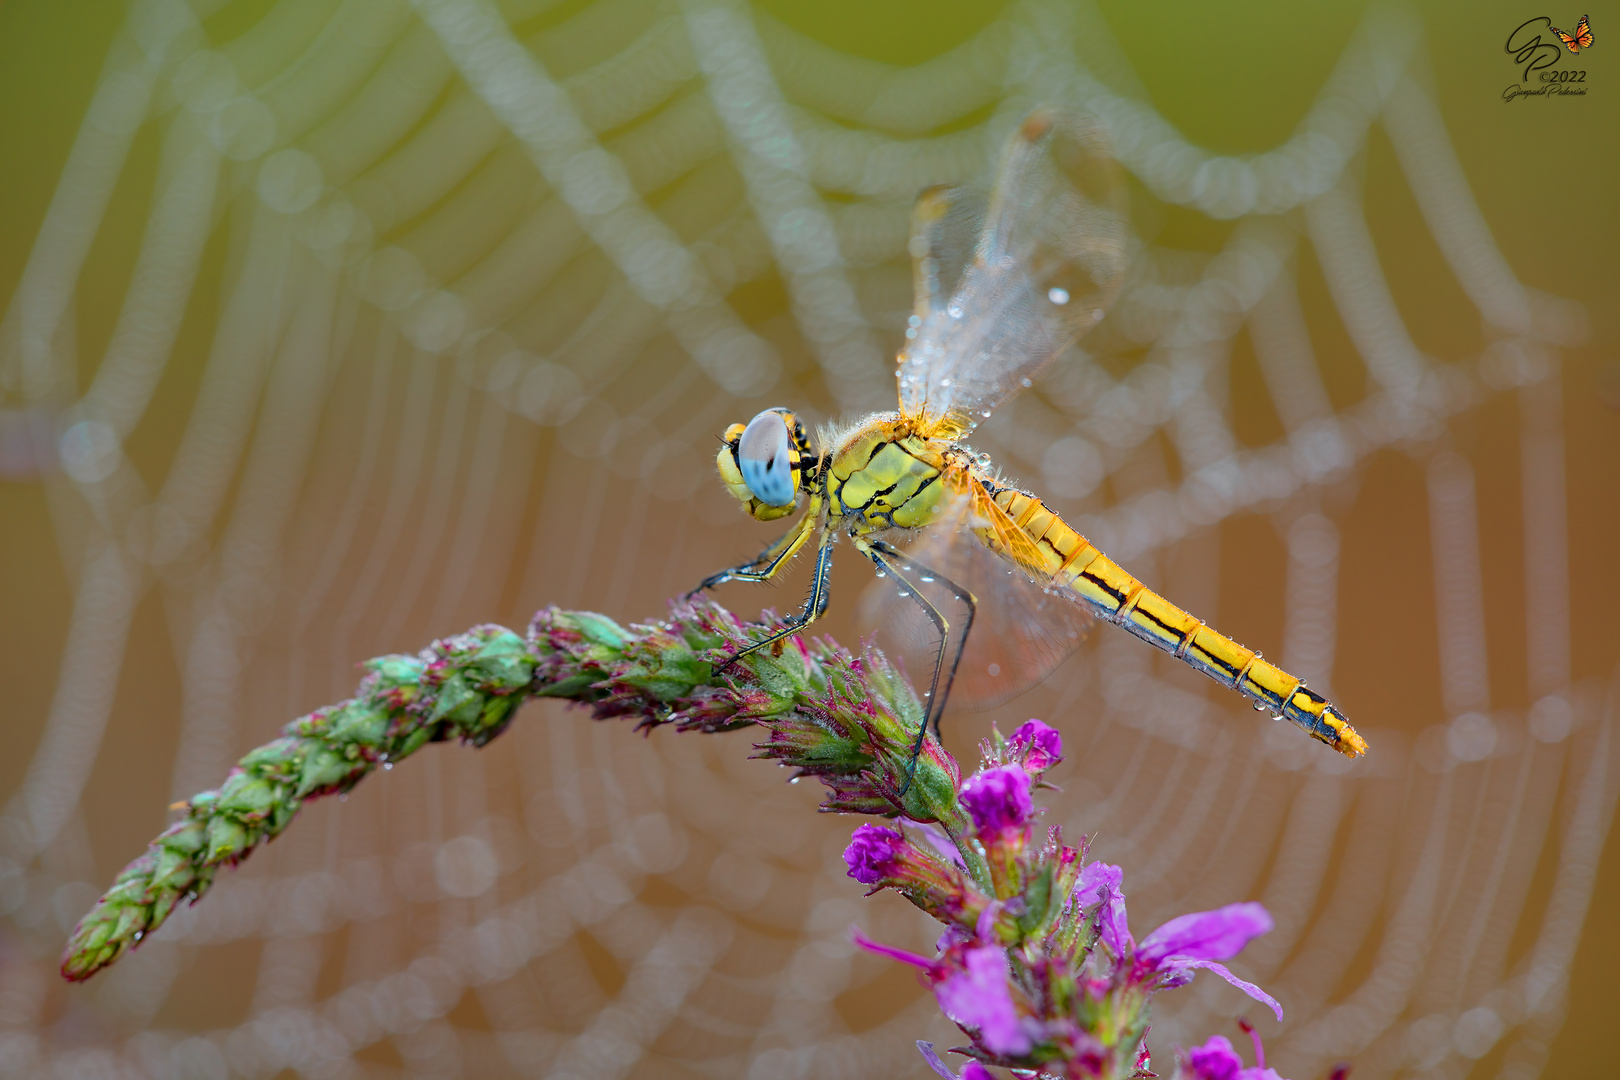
(814, 605)
(771, 560)
(891, 560)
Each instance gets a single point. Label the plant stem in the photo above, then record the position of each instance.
(847, 721)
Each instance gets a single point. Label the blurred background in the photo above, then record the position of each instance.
(335, 327)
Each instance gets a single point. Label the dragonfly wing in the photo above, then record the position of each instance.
(1021, 631)
(1046, 265)
(946, 225)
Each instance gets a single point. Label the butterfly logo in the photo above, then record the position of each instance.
(1580, 39)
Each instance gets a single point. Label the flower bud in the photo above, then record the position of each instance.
(1036, 746)
(874, 853)
(998, 799)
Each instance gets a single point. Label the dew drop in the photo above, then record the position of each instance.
(985, 414)
(1027, 383)
(387, 765)
(139, 934)
(880, 573)
(1057, 295)
(926, 577)
(995, 669)
(904, 592)
(954, 311)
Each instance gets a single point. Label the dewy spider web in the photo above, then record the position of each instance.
(474, 332)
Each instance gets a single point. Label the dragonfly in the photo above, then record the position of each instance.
(1002, 287)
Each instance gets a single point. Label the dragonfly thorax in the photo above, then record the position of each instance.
(886, 475)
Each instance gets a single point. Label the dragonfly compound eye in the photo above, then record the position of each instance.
(765, 456)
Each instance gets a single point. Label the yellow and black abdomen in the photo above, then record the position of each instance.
(1070, 560)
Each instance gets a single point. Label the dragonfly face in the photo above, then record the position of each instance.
(767, 462)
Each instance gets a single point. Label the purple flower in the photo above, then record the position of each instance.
(977, 997)
(971, 984)
(1037, 746)
(1171, 955)
(998, 799)
(926, 869)
(874, 853)
(1216, 1060)
(1176, 949)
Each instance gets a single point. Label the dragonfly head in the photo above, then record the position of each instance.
(767, 462)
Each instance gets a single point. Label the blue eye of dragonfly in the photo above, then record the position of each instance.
(765, 459)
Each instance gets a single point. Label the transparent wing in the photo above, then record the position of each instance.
(1021, 631)
(1044, 267)
(946, 225)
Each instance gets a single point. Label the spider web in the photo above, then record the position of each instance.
(475, 299)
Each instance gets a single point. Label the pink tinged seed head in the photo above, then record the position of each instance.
(998, 799)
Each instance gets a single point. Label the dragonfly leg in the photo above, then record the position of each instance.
(814, 605)
(771, 560)
(891, 560)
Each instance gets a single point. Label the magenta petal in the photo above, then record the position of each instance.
(1100, 879)
(1181, 963)
(1114, 927)
(1094, 874)
(942, 844)
(890, 951)
(977, 997)
(1207, 935)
